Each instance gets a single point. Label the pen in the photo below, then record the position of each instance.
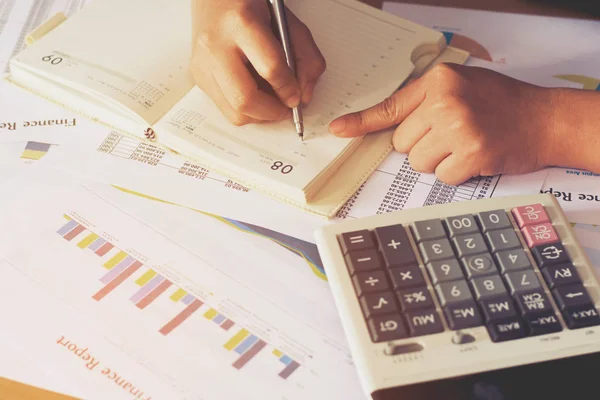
(282, 26)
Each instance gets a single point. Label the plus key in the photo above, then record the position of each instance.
(395, 246)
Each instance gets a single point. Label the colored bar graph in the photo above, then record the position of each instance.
(110, 275)
(148, 275)
(114, 283)
(89, 239)
(249, 355)
(97, 244)
(211, 313)
(188, 298)
(227, 325)
(74, 232)
(181, 317)
(117, 258)
(286, 360)
(236, 339)
(144, 290)
(105, 248)
(245, 345)
(277, 353)
(66, 228)
(287, 371)
(219, 319)
(153, 295)
(35, 150)
(178, 295)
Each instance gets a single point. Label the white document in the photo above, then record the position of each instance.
(174, 303)
(147, 170)
(545, 51)
(19, 17)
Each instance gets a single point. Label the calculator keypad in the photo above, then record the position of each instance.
(479, 271)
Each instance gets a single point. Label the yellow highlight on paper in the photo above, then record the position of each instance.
(277, 353)
(89, 239)
(33, 154)
(178, 295)
(237, 339)
(211, 313)
(117, 258)
(142, 280)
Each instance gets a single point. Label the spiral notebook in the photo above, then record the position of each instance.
(125, 64)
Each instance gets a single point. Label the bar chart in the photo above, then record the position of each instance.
(35, 150)
(119, 267)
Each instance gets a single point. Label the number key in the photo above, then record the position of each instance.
(496, 219)
(453, 292)
(504, 239)
(512, 260)
(522, 281)
(470, 244)
(461, 225)
(488, 287)
(434, 250)
(479, 265)
(444, 271)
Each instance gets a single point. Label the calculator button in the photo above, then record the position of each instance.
(353, 241)
(427, 230)
(434, 250)
(512, 260)
(532, 303)
(491, 220)
(537, 235)
(522, 281)
(453, 292)
(488, 287)
(405, 277)
(581, 317)
(571, 296)
(414, 299)
(479, 265)
(548, 254)
(444, 271)
(386, 328)
(498, 309)
(461, 225)
(370, 282)
(560, 275)
(543, 324)
(363, 260)
(424, 322)
(504, 239)
(470, 244)
(530, 215)
(510, 329)
(395, 246)
(378, 304)
(462, 316)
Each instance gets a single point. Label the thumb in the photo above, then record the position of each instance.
(389, 112)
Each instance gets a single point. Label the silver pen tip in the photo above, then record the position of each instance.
(300, 130)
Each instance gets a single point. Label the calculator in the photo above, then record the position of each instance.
(484, 299)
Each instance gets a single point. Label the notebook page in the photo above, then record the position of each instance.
(122, 49)
(368, 55)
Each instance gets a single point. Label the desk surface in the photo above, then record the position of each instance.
(11, 390)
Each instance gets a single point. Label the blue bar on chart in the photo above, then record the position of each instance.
(97, 244)
(219, 319)
(118, 269)
(187, 299)
(144, 290)
(242, 347)
(286, 360)
(66, 228)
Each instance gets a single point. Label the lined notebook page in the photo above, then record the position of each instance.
(368, 56)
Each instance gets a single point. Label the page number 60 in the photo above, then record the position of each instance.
(52, 59)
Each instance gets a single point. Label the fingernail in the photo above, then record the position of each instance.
(338, 126)
(294, 101)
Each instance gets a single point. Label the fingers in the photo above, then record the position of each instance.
(267, 57)
(412, 129)
(205, 80)
(428, 152)
(454, 171)
(391, 111)
(310, 63)
(242, 92)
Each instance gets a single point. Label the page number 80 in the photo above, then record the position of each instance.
(284, 169)
(52, 59)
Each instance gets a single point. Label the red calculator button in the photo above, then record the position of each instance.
(529, 215)
(537, 235)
